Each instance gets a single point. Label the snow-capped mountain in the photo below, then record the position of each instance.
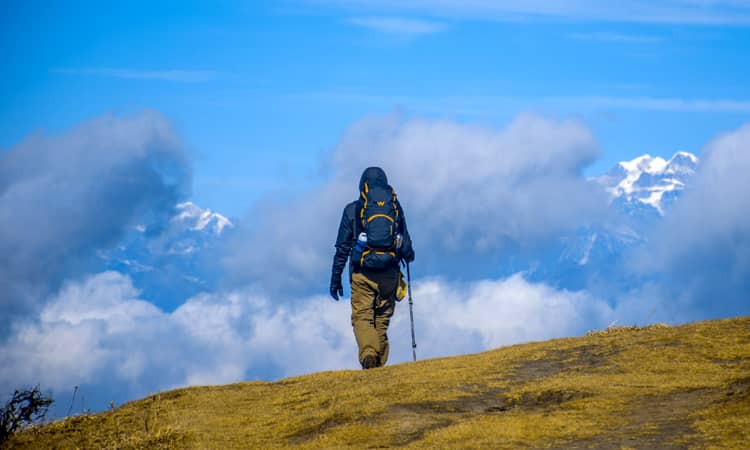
(193, 228)
(650, 181)
(171, 263)
(193, 217)
(642, 191)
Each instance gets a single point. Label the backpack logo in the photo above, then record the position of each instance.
(381, 203)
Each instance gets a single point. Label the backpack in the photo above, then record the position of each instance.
(378, 219)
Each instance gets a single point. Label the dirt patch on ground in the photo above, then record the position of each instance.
(415, 419)
(487, 401)
(586, 357)
(491, 401)
(444, 413)
(653, 421)
(311, 432)
(412, 428)
(663, 421)
(728, 362)
(739, 389)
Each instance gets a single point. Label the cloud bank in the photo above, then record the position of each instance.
(703, 246)
(468, 192)
(98, 333)
(64, 197)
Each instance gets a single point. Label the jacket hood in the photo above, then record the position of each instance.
(373, 176)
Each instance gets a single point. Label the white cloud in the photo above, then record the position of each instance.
(184, 76)
(399, 25)
(99, 331)
(471, 186)
(67, 344)
(456, 318)
(716, 207)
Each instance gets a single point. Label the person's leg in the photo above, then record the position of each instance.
(383, 312)
(364, 293)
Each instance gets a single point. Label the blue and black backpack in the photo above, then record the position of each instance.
(378, 219)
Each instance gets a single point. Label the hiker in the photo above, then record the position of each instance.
(374, 238)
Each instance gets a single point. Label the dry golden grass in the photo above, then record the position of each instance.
(626, 387)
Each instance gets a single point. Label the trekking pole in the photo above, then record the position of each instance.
(411, 314)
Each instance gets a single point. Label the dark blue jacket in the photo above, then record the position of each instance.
(348, 229)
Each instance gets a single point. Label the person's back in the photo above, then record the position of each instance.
(374, 238)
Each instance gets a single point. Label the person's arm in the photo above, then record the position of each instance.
(344, 243)
(407, 249)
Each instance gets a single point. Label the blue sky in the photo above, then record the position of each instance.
(490, 118)
(259, 90)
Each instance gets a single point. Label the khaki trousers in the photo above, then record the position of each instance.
(371, 314)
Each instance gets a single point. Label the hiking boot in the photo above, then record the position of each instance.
(370, 362)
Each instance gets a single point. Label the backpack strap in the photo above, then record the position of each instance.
(364, 205)
(357, 218)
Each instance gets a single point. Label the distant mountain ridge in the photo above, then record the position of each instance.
(193, 217)
(179, 261)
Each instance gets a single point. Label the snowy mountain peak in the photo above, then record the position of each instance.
(648, 180)
(199, 219)
(685, 155)
(645, 163)
(682, 163)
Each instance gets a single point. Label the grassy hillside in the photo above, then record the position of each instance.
(653, 387)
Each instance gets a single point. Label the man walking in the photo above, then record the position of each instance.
(374, 238)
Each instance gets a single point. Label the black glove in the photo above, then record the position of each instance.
(407, 255)
(336, 287)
